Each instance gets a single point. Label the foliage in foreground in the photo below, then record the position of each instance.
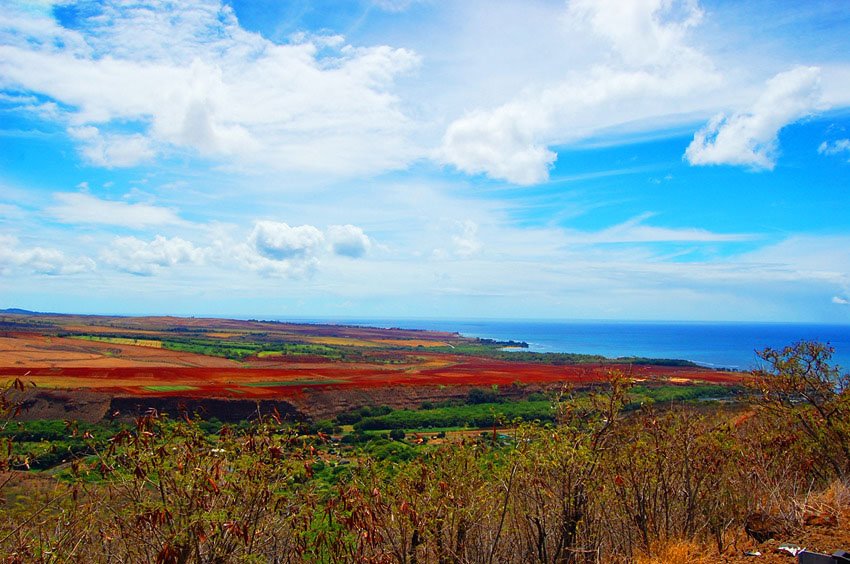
(598, 485)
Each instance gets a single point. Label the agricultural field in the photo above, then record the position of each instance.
(359, 431)
(319, 369)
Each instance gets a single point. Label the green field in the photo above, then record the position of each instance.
(170, 388)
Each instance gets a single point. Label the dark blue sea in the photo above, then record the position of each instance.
(725, 345)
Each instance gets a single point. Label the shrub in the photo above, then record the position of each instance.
(802, 388)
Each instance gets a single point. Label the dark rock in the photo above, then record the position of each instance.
(764, 526)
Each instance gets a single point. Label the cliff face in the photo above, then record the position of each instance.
(89, 407)
(312, 404)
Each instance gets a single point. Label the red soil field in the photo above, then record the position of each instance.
(289, 381)
(393, 365)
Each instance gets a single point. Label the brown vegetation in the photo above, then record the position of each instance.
(682, 484)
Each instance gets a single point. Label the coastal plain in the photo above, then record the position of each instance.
(319, 369)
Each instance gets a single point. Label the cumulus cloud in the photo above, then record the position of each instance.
(187, 76)
(39, 260)
(749, 138)
(279, 241)
(835, 147)
(270, 248)
(651, 73)
(277, 249)
(112, 151)
(500, 144)
(641, 32)
(245, 255)
(146, 258)
(85, 208)
(348, 240)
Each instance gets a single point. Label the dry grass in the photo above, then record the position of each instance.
(679, 552)
(836, 496)
(152, 343)
(37, 351)
(411, 342)
(340, 341)
(829, 505)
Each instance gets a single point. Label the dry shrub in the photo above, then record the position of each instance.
(829, 505)
(678, 552)
(811, 397)
(673, 476)
(669, 485)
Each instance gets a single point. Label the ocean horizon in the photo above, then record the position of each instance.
(731, 345)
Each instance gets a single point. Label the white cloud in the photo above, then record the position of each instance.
(804, 257)
(277, 249)
(10, 211)
(112, 150)
(651, 73)
(245, 255)
(348, 240)
(750, 138)
(186, 75)
(835, 147)
(394, 5)
(149, 257)
(85, 208)
(636, 231)
(840, 301)
(39, 260)
(279, 241)
(641, 32)
(499, 144)
(466, 243)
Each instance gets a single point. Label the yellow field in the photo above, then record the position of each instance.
(152, 343)
(42, 351)
(353, 342)
(344, 341)
(106, 329)
(411, 343)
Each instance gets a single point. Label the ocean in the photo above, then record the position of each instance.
(721, 345)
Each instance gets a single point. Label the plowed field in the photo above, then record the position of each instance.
(434, 370)
(127, 356)
(29, 350)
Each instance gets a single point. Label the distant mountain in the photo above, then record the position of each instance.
(21, 311)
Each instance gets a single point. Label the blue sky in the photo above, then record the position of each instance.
(655, 159)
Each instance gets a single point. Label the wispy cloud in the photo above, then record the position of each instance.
(87, 209)
(636, 231)
(112, 150)
(836, 147)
